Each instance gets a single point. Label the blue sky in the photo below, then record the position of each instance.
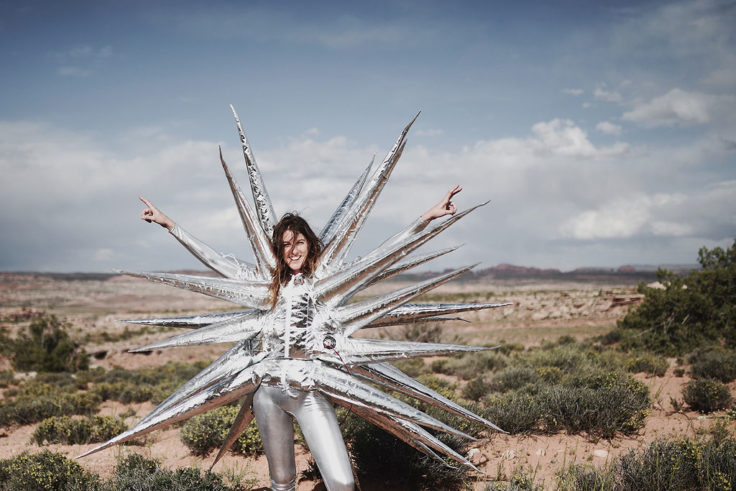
(603, 134)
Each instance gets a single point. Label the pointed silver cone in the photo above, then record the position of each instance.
(228, 331)
(409, 263)
(349, 227)
(356, 315)
(416, 436)
(341, 386)
(423, 320)
(259, 240)
(264, 208)
(232, 362)
(391, 377)
(356, 351)
(222, 393)
(247, 293)
(242, 420)
(328, 232)
(190, 321)
(415, 311)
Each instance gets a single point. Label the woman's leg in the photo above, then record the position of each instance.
(277, 432)
(318, 423)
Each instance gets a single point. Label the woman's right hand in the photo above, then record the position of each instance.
(153, 214)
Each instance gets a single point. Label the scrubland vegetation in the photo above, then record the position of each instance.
(588, 386)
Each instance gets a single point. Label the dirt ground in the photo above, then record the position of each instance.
(539, 311)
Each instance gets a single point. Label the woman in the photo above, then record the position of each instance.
(297, 249)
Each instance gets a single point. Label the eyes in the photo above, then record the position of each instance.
(299, 242)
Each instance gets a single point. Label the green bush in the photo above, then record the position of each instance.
(72, 431)
(136, 472)
(6, 378)
(475, 389)
(707, 395)
(32, 409)
(582, 477)
(514, 377)
(600, 405)
(208, 431)
(45, 470)
(690, 312)
(678, 465)
(715, 363)
(470, 365)
(515, 412)
(648, 363)
(47, 347)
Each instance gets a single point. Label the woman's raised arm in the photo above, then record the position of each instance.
(153, 214)
(444, 207)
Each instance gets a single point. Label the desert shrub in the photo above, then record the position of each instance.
(476, 388)
(648, 363)
(47, 347)
(208, 431)
(6, 378)
(154, 384)
(136, 472)
(715, 363)
(515, 412)
(470, 365)
(514, 377)
(421, 332)
(125, 392)
(378, 454)
(707, 395)
(690, 312)
(582, 477)
(599, 404)
(32, 409)
(45, 470)
(65, 429)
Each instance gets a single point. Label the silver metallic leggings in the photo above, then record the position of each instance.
(274, 408)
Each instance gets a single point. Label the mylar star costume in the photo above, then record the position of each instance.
(305, 343)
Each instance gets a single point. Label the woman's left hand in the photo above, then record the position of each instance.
(445, 207)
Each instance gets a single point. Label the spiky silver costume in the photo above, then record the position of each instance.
(303, 348)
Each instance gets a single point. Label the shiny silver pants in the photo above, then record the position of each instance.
(274, 408)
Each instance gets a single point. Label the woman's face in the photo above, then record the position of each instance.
(295, 250)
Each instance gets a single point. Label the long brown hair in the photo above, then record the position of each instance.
(282, 273)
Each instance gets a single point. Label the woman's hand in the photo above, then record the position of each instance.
(153, 214)
(444, 207)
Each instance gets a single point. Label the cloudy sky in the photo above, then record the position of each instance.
(603, 135)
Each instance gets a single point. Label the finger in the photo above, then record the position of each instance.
(455, 190)
(148, 203)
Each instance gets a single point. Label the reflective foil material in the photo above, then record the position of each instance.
(291, 359)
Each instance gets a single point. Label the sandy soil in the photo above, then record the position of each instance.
(539, 311)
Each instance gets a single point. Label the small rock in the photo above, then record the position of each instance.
(508, 454)
(600, 453)
(541, 451)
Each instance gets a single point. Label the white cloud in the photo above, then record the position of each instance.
(663, 215)
(608, 128)
(575, 92)
(679, 107)
(603, 94)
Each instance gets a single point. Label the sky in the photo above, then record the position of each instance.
(603, 133)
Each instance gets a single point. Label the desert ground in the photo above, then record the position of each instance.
(541, 310)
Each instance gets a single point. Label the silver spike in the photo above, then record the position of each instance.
(328, 232)
(249, 294)
(190, 321)
(264, 208)
(260, 241)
